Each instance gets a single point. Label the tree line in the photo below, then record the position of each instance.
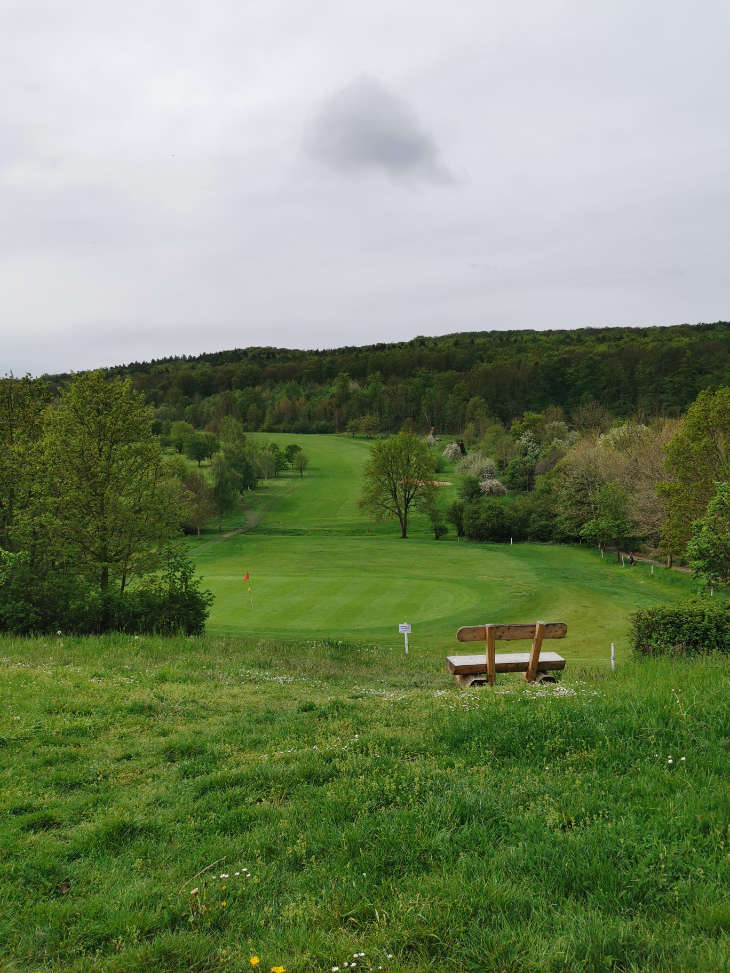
(373, 390)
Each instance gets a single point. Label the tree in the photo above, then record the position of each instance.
(301, 461)
(226, 485)
(278, 456)
(199, 506)
(265, 464)
(200, 446)
(611, 523)
(290, 452)
(101, 503)
(239, 453)
(435, 512)
(231, 434)
(369, 426)
(491, 487)
(709, 549)
(22, 402)
(455, 516)
(696, 458)
(398, 477)
(180, 432)
(520, 476)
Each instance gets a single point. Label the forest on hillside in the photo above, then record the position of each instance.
(441, 382)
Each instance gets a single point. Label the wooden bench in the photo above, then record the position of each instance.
(536, 665)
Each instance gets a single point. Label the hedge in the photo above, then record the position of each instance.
(695, 627)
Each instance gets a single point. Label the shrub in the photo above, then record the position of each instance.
(35, 602)
(695, 627)
(488, 519)
(532, 517)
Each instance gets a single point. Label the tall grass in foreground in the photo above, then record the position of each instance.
(354, 806)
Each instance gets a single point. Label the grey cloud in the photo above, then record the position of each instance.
(366, 126)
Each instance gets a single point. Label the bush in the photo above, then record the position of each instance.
(488, 519)
(167, 603)
(695, 627)
(533, 517)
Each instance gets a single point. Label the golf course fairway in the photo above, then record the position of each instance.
(319, 569)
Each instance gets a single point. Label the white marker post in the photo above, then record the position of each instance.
(652, 569)
(613, 657)
(404, 628)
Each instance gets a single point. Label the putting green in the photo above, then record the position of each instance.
(319, 569)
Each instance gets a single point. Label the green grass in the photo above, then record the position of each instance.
(320, 569)
(377, 808)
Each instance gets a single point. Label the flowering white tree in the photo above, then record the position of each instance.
(452, 452)
(491, 487)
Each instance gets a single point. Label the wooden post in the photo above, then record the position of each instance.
(491, 646)
(534, 659)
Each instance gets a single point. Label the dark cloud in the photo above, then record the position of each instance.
(366, 126)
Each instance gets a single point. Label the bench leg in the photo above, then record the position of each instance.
(534, 657)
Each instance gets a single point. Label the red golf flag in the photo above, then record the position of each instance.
(245, 577)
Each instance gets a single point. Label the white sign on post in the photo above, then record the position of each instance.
(404, 628)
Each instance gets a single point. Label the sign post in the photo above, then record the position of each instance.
(404, 628)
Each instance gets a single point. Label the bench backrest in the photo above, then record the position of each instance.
(511, 633)
(491, 633)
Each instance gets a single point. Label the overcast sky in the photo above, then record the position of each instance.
(179, 177)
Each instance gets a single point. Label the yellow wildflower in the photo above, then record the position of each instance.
(255, 961)
(277, 969)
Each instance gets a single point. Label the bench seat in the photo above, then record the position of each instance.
(466, 665)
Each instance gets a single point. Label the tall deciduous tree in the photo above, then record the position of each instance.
(200, 446)
(101, 503)
(398, 477)
(709, 548)
(301, 462)
(22, 401)
(611, 523)
(226, 487)
(199, 507)
(697, 457)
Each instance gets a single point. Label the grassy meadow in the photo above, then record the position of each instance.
(354, 805)
(291, 788)
(320, 569)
